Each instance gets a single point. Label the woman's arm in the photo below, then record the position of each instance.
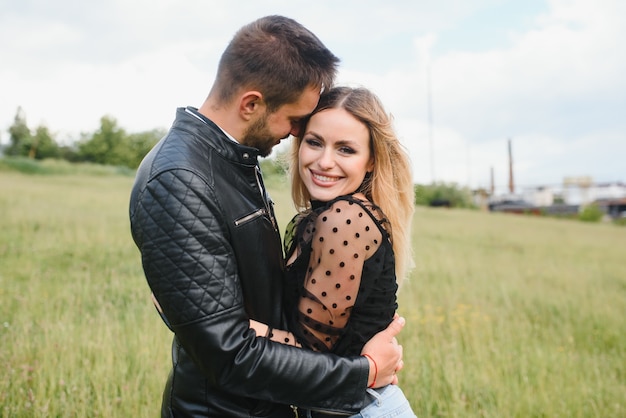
(344, 236)
(278, 335)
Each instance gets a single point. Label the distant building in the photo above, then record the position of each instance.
(576, 190)
(608, 191)
(583, 191)
(539, 196)
(576, 193)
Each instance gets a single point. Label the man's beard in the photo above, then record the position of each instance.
(258, 136)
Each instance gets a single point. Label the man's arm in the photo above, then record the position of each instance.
(190, 267)
(372, 350)
(384, 350)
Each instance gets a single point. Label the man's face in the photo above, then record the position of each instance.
(269, 129)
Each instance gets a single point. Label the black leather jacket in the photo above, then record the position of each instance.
(211, 253)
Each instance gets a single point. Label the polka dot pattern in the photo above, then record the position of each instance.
(334, 301)
(342, 239)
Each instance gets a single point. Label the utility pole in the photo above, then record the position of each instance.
(511, 181)
(430, 127)
(469, 167)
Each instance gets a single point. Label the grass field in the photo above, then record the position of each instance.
(508, 316)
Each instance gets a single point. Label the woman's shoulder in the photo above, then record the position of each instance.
(354, 207)
(357, 202)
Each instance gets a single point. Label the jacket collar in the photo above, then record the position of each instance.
(203, 128)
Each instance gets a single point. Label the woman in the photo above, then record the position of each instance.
(351, 182)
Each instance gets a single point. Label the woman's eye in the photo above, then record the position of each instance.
(312, 142)
(346, 150)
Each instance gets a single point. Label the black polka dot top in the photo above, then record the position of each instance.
(341, 288)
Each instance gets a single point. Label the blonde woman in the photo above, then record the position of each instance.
(348, 248)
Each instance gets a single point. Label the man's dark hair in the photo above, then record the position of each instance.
(278, 57)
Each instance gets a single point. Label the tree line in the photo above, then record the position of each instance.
(112, 145)
(109, 144)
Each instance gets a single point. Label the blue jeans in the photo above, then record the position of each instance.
(389, 402)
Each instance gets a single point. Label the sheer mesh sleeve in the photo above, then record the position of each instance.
(280, 336)
(343, 237)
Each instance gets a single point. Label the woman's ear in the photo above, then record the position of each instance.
(251, 104)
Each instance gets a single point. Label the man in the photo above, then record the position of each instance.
(210, 246)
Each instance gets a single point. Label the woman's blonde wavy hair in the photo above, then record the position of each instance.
(390, 185)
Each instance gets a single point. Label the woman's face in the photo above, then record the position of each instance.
(334, 155)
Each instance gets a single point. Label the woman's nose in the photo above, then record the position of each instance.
(326, 160)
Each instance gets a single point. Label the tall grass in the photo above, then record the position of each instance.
(508, 316)
(515, 316)
(78, 336)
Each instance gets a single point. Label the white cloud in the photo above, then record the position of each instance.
(556, 86)
(557, 89)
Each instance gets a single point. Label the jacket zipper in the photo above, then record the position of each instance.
(264, 196)
(249, 217)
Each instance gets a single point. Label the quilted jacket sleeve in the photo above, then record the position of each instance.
(190, 267)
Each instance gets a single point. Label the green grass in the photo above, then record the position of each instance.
(515, 316)
(78, 335)
(508, 316)
(56, 166)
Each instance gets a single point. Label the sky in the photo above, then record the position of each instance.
(461, 78)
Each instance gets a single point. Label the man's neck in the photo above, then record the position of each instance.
(224, 117)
